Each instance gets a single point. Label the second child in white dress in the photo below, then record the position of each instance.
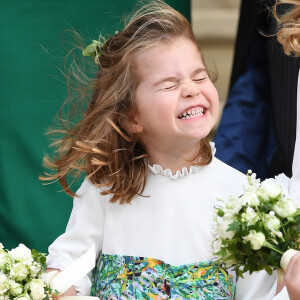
(151, 176)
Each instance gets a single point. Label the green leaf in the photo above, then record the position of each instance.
(222, 252)
(234, 226)
(267, 207)
(269, 270)
(39, 257)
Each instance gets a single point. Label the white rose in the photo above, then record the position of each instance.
(269, 188)
(4, 297)
(16, 289)
(21, 253)
(5, 261)
(4, 284)
(263, 197)
(24, 296)
(36, 287)
(250, 216)
(1, 248)
(223, 226)
(271, 221)
(256, 239)
(19, 271)
(233, 205)
(250, 198)
(286, 207)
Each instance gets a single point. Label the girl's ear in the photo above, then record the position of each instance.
(131, 123)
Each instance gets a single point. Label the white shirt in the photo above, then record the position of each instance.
(295, 180)
(172, 224)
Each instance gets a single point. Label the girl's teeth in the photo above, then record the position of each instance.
(192, 113)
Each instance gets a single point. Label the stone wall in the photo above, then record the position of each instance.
(215, 24)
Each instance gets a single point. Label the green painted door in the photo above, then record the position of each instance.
(34, 41)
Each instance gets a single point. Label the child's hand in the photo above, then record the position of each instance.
(70, 292)
(292, 277)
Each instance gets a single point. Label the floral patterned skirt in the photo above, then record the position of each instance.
(132, 277)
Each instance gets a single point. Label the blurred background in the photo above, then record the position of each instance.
(32, 89)
(215, 24)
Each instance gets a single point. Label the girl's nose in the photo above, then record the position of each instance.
(190, 89)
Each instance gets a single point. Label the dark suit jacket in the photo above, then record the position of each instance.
(283, 74)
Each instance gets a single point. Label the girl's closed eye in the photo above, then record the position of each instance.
(169, 85)
(201, 77)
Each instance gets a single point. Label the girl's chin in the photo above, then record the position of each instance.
(190, 141)
(195, 134)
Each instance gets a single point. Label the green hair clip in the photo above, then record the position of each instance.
(94, 49)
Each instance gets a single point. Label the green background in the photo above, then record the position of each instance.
(32, 89)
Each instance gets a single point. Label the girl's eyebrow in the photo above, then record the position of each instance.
(174, 79)
(198, 70)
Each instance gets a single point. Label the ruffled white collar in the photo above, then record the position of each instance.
(158, 170)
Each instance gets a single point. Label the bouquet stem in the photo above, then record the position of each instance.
(270, 246)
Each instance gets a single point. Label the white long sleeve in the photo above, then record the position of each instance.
(84, 228)
(295, 180)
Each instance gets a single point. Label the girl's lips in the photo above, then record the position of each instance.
(193, 112)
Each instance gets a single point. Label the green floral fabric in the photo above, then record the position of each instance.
(131, 277)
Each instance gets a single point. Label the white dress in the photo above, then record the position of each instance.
(171, 223)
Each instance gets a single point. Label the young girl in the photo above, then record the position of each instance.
(151, 176)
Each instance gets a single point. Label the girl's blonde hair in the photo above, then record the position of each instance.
(288, 33)
(98, 145)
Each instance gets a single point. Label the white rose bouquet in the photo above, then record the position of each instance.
(253, 231)
(21, 271)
